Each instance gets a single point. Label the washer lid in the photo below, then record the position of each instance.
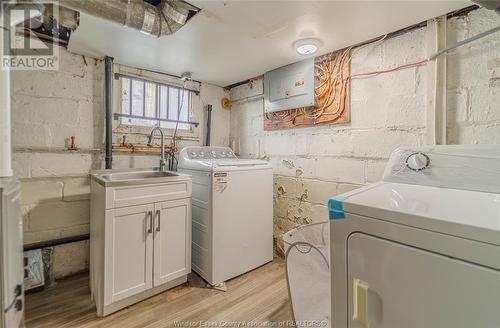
(210, 164)
(468, 214)
(239, 162)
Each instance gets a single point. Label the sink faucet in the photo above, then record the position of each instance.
(150, 140)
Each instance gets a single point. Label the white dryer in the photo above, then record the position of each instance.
(422, 247)
(232, 212)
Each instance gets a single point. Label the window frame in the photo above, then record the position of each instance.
(158, 102)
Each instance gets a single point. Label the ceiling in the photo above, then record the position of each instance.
(231, 41)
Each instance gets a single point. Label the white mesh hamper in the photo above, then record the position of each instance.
(307, 256)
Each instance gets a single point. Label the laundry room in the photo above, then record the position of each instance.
(209, 163)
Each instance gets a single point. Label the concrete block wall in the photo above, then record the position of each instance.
(387, 112)
(473, 84)
(47, 108)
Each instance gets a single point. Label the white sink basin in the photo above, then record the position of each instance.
(134, 177)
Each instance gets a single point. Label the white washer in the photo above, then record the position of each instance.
(422, 247)
(232, 212)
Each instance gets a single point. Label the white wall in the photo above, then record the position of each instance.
(49, 107)
(474, 81)
(387, 111)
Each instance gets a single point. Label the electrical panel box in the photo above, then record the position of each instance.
(289, 87)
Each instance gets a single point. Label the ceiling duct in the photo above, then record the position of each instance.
(165, 18)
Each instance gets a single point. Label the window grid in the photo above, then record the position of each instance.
(130, 96)
(144, 98)
(181, 114)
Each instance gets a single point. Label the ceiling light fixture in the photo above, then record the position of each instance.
(307, 46)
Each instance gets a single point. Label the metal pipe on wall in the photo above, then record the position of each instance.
(108, 85)
(209, 125)
(247, 99)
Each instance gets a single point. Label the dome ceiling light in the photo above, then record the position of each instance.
(306, 47)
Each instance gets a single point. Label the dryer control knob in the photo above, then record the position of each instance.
(417, 161)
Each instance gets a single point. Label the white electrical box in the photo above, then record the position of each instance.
(289, 87)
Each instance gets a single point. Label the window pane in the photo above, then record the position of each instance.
(169, 106)
(173, 103)
(184, 105)
(125, 100)
(143, 102)
(150, 102)
(137, 96)
(163, 103)
(185, 109)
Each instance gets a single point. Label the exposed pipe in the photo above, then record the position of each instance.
(108, 85)
(209, 125)
(247, 99)
(56, 242)
(461, 43)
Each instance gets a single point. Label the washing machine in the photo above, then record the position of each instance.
(421, 248)
(232, 212)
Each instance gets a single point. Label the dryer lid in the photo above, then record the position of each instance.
(467, 167)
(468, 214)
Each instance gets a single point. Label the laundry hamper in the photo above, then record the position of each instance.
(307, 256)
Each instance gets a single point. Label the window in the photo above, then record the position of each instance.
(144, 99)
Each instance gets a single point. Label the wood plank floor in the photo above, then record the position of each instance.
(258, 296)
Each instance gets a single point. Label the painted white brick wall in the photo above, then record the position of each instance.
(473, 83)
(387, 112)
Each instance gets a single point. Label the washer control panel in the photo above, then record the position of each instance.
(210, 153)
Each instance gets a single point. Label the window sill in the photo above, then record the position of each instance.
(139, 149)
(136, 129)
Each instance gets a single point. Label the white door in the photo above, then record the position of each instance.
(129, 252)
(393, 286)
(172, 240)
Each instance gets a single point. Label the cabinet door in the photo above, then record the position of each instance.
(172, 240)
(129, 252)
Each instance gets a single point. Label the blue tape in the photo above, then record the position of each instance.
(335, 209)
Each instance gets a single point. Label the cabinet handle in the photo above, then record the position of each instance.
(150, 229)
(158, 214)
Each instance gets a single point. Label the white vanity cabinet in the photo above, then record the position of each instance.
(140, 240)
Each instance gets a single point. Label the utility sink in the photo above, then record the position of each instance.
(110, 178)
(123, 176)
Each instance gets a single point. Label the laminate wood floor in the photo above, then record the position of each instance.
(256, 299)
